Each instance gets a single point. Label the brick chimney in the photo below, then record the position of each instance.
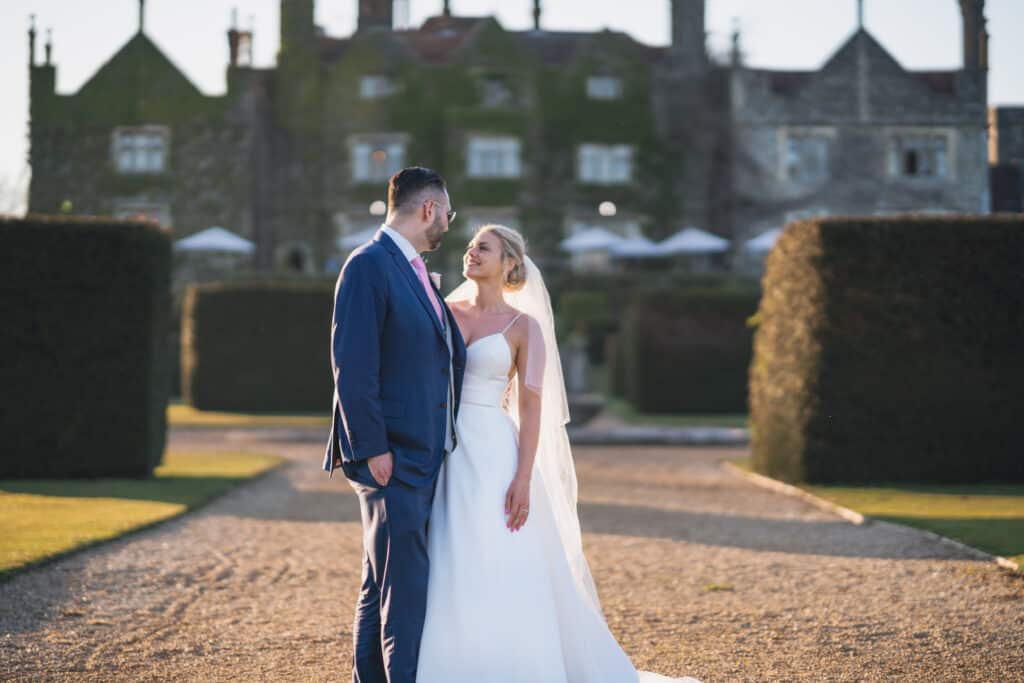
(688, 36)
(975, 34)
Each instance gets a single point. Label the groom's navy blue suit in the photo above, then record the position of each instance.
(392, 372)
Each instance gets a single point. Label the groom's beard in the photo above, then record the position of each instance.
(435, 233)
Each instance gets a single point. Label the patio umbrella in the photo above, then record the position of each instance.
(637, 247)
(694, 241)
(765, 241)
(590, 239)
(215, 239)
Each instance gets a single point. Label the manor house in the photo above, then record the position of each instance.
(549, 131)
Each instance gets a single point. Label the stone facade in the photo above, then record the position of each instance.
(861, 135)
(534, 128)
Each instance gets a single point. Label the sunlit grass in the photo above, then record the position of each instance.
(44, 518)
(182, 415)
(625, 410)
(986, 516)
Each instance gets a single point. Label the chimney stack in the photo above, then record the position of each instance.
(688, 35)
(975, 34)
(32, 40)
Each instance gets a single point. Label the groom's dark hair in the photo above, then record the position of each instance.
(407, 185)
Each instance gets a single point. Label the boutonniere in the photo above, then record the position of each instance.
(436, 279)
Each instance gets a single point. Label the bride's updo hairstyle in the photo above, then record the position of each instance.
(513, 246)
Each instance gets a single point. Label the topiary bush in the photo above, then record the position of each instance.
(85, 305)
(890, 349)
(257, 346)
(686, 350)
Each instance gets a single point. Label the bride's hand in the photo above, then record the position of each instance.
(517, 503)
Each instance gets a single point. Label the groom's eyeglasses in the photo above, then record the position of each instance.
(449, 214)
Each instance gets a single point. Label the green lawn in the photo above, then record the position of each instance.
(181, 415)
(625, 410)
(986, 516)
(45, 518)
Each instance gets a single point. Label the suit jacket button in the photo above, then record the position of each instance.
(443, 405)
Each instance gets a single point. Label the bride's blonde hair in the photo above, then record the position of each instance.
(513, 246)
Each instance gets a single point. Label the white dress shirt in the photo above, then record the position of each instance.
(405, 245)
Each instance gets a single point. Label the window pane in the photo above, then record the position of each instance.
(140, 151)
(493, 157)
(605, 164)
(604, 88)
(807, 158)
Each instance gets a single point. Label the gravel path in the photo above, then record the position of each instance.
(699, 571)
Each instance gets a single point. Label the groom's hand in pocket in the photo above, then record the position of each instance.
(381, 467)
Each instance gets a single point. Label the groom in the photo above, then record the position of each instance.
(398, 360)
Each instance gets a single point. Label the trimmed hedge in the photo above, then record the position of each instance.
(686, 350)
(257, 347)
(600, 301)
(85, 305)
(890, 349)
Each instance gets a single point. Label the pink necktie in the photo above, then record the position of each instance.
(421, 272)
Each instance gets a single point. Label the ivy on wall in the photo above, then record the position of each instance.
(316, 108)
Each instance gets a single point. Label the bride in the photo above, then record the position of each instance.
(510, 598)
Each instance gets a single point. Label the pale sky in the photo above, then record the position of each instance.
(782, 34)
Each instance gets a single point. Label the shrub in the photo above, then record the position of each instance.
(257, 346)
(85, 305)
(686, 350)
(890, 349)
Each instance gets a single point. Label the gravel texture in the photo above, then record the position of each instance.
(700, 573)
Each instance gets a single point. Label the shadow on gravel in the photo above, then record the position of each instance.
(838, 538)
(276, 498)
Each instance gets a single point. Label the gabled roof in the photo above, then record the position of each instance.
(560, 47)
(440, 40)
(843, 64)
(553, 47)
(140, 58)
(845, 55)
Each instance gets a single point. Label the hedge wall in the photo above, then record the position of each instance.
(257, 347)
(686, 350)
(85, 305)
(600, 301)
(891, 349)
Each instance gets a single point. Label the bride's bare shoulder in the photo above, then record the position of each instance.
(520, 328)
(460, 307)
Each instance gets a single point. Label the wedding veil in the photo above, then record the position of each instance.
(553, 462)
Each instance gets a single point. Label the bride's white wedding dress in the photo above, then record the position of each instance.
(503, 607)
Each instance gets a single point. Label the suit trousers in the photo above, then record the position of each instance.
(393, 599)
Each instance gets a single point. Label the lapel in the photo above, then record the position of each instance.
(407, 271)
(457, 343)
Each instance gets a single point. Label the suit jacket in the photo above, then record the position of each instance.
(391, 366)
